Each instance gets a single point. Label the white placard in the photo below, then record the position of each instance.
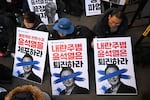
(31, 44)
(115, 51)
(68, 53)
(93, 7)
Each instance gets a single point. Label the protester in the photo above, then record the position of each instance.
(64, 29)
(7, 33)
(27, 92)
(33, 21)
(113, 23)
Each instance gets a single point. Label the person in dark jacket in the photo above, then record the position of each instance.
(33, 21)
(5, 28)
(116, 85)
(71, 86)
(113, 23)
(27, 92)
(64, 29)
(7, 31)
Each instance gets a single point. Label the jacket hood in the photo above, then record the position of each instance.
(36, 92)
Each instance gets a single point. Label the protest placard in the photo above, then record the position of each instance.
(114, 68)
(92, 7)
(68, 66)
(30, 54)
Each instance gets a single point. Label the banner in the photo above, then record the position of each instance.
(93, 7)
(68, 66)
(30, 54)
(114, 69)
(46, 12)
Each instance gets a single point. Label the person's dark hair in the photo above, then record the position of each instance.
(27, 55)
(118, 13)
(30, 17)
(25, 95)
(111, 66)
(26, 92)
(67, 68)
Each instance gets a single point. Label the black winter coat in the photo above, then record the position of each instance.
(101, 29)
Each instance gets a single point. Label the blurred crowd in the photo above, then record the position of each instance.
(16, 13)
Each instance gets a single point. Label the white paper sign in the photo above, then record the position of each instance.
(30, 54)
(38, 6)
(93, 7)
(114, 69)
(68, 54)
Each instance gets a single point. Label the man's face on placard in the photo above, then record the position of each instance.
(70, 82)
(27, 68)
(115, 79)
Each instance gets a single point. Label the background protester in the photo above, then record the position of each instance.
(112, 23)
(7, 33)
(27, 92)
(64, 29)
(30, 21)
(33, 21)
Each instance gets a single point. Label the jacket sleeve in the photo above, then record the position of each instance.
(99, 29)
(123, 27)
